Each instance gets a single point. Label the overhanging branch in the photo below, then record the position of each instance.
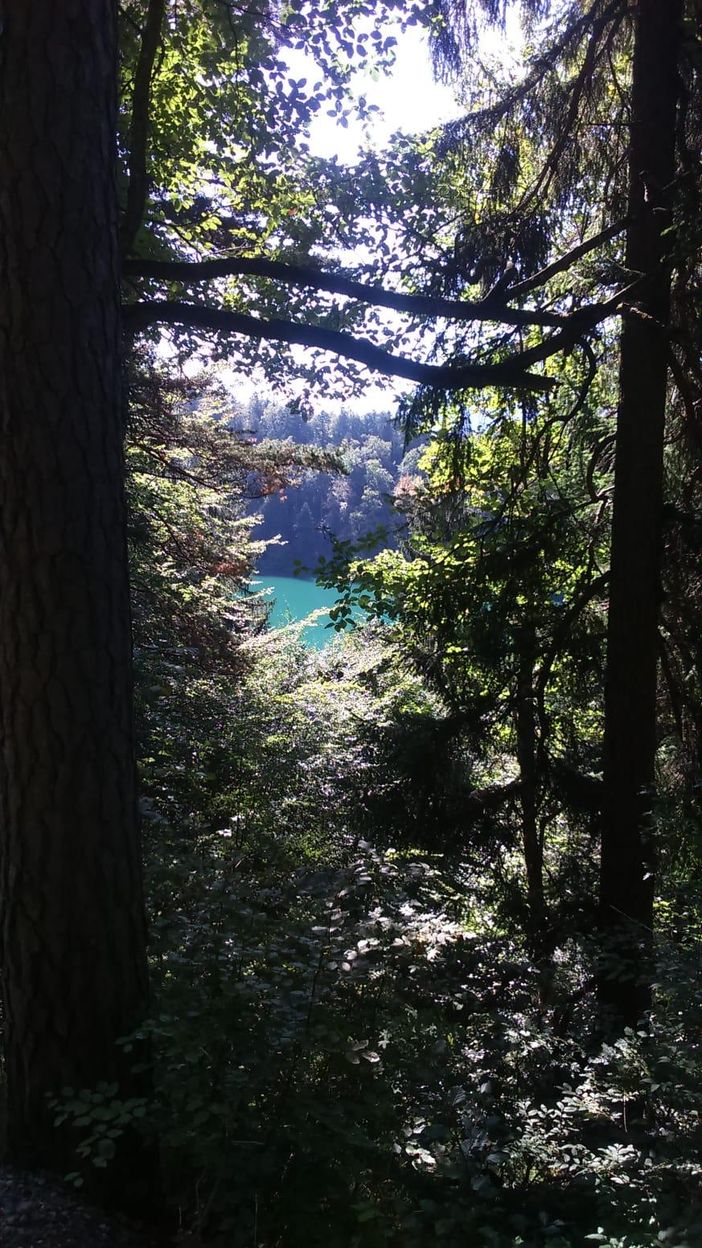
(338, 284)
(509, 374)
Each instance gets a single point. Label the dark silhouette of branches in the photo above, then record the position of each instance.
(139, 129)
(338, 284)
(458, 375)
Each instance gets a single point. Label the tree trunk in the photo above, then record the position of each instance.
(626, 894)
(73, 932)
(525, 723)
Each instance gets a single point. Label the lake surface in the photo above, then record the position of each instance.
(293, 599)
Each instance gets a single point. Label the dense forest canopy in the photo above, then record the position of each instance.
(394, 943)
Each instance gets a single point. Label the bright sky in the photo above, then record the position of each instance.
(410, 100)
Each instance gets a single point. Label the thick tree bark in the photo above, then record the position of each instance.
(632, 644)
(73, 931)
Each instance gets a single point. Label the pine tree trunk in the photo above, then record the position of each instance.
(73, 931)
(626, 894)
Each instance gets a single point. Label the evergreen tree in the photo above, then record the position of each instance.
(586, 59)
(630, 735)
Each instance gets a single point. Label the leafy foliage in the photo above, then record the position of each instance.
(372, 870)
(350, 1049)
(354, 1043)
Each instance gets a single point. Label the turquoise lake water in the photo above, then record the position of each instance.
(293, 600)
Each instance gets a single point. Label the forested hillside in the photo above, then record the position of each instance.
(349, 503)
(396, 943)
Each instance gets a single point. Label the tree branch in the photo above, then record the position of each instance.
(493, 795)
(510, 373)
(338, 284)
(544, 64)
(571, 614)
(139, 129)
(564, 262)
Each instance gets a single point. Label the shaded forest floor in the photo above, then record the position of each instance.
(41, 1212)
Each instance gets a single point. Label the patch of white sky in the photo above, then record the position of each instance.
(409, 99)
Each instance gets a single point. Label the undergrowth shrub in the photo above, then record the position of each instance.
(354, 1046)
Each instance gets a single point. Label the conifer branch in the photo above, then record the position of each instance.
(566, 261)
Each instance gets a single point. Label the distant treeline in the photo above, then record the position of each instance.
(348, 504)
